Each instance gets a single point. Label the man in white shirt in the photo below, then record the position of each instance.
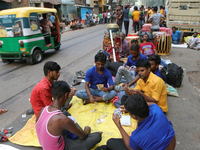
(194, 42)
(108, 16)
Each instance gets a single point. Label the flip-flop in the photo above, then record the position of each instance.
(81, 77)
(3, 138)
(80, 74)
(3, 111)
(76, 82)
(6, 131)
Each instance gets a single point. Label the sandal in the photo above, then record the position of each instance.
(6, 131)
(3, 138)
(3, 111)
(76, 82)
(80, 74)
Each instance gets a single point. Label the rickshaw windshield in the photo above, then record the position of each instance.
(10, 26)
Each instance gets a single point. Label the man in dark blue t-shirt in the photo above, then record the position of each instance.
(155, 62)
(154, 131)
(97, 79)
(128, 71)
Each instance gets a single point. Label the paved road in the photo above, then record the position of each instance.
(77, 52)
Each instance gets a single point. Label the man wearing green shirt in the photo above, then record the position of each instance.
(100, 18)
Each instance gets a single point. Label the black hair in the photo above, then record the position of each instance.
(143, 63)
(134, 47)
(59, 88)
(135, 8)
(137, 105)
(100, 56)
(147, 35)
(196, 32)
(174, 27)
(149, 7)
(123, 99)
(52, 66)
(120, 5)
(161, 7)
(155, 58)
(155, 8)
(134, 41)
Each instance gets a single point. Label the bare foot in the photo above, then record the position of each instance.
(85, 102)
(106, 102)
(69, 106)
(48, 45)
(101, 132)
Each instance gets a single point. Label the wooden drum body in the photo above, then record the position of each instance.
(130, 38)
(163, 44)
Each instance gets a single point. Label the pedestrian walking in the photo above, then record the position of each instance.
(100, 18)
(108, 16)
(142, 16)
(119, 17)
(87, 17)
(136, 16)
(126, 10)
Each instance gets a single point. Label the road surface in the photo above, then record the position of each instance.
(77, 52)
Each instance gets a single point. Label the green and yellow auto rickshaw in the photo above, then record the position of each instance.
(23, 34)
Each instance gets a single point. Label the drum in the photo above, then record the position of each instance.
(163, 44)
(130, 38)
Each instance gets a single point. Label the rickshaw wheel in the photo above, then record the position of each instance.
(57, 48)
(37, 56)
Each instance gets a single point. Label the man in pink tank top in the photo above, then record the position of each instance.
(52, 125)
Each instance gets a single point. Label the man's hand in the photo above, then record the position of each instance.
(132, 91)
(87, 130)
(72, 93)
(92, 100)
(126, 88)
(116, 120)
(104, 89)
(127, 67)
(123, 109)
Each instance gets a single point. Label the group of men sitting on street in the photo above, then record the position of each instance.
(145, 100)
(193, 42)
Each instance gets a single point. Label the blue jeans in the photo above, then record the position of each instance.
(163, 62)
(141, 23)
(120, 28)
(95, 92)
(87, 22)
(108, 20)
(123, 71)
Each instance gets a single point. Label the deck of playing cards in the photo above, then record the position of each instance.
(100, 120)
(118, 112)
(104, 116)
(93, 110)
(99, 86)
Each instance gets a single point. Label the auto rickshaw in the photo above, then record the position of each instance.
(22, 34)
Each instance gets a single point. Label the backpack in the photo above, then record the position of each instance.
(151, 36)
(172, 74)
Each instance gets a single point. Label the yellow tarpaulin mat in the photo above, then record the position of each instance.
(27, 135)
